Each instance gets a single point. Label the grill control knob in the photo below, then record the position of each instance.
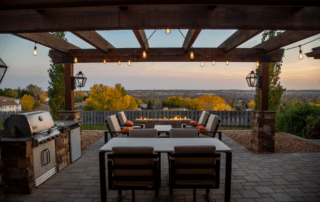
(40, 118)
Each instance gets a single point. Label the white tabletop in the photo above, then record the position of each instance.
(165, 144)
(163, 128)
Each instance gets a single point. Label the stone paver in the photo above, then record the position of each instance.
(255, 178)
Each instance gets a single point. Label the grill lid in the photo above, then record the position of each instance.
(27, 123)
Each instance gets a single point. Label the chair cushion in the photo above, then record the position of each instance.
(113, 123)
(126, 129)
(183, 133)
(122, 118)
(212, 123)
(143, 133)
(129, 123)
(203, 118)
(193, 123)
(210, 149)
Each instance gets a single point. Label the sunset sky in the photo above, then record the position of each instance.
(24, 68)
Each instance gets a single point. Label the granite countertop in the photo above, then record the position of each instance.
(67, 123)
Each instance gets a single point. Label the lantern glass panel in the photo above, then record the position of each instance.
(3, 70)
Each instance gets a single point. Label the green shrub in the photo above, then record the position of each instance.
(293, 119)
(37, 104)
(312, 130)
(77, 98)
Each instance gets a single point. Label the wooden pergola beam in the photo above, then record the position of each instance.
(166, 55)
(94, 39)
(142, 38)
(238, 38)
(40, 4)
(49, 41)
(284, 39)
(315, 54)
(161, 17)
(190, 38)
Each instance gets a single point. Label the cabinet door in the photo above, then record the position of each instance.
(44, 158)
(75, 144)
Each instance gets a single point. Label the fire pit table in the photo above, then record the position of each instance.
(174, 122)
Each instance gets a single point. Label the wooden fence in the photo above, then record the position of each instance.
(5, 115)
(228, 118)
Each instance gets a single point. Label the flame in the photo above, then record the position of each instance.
(165, 118)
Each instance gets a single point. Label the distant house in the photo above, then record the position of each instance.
(10, 105)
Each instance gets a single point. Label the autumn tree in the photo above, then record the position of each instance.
(109, 98)
(275, 89)
(212, 103)
(252, 104)
(27, 102)
(56, 83)
(43, 96)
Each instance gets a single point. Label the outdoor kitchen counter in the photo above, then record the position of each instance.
(68, 123)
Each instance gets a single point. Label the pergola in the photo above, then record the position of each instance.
(34, 19)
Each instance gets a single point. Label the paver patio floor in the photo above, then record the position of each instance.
(255, 178)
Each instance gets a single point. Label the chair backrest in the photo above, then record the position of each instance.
(183, 133)
(203, 118)
(143, 133)
(122, 118)
(212, 123)
(113, 123)
(196, 166)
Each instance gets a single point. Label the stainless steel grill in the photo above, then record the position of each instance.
(37, 125)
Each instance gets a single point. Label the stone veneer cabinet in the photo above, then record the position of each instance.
(263, 131)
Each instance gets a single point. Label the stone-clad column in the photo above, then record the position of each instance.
(263, 131)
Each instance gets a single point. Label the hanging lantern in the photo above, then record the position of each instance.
(3, 69)
(252, 79)
(79, 80)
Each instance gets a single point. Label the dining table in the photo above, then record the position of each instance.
(164, 145)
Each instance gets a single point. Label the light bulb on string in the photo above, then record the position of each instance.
(104, 61)
(213, 62)
(35, 49)
(168, 31)
(300, 55)
(129, 62)
(75, 60)
(119, 62)
(227, 62)
(144, 54)
(191, 55)
(258, 63)
(202, 62)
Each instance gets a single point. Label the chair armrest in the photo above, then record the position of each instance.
(141, 122)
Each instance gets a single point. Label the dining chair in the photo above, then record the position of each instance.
(202, 121)
(114, 128)
(124, 122)
(183, 133)
(133, 168)
(194, 167)
(143, 133)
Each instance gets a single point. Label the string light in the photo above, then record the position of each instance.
(300, 55)
(119, 62)
(144, 54)
(129, 62)
(104, 60)
(258, 63)
(35, 49)
(75, 59)
(202, 63)
(227, 62)
(213, 62)
(191, 55)
(168, 31)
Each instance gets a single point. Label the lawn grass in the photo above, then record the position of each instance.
(1, 125)
(94, 127)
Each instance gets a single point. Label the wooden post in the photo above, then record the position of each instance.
(68, 73)
(263, 99)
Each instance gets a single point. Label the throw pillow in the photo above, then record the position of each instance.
(129, 123)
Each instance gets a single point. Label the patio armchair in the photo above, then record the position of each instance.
(202, 121)
(114, 128)
(125, 123)
(211, 128)
(143, 133)
(133, 168)
(194, 167)
(183, 133)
